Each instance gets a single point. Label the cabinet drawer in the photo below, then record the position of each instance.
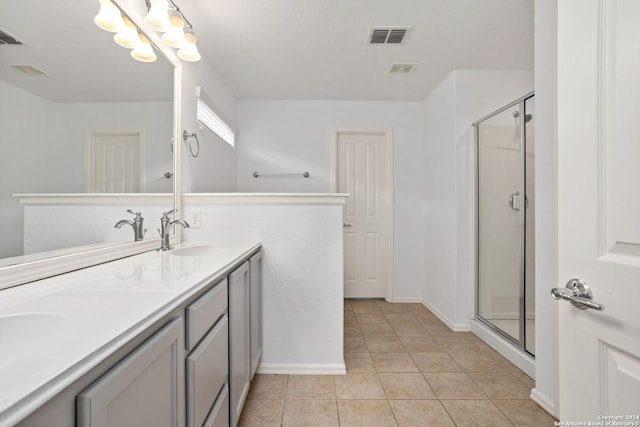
(203, 314)
(219, 416)
(206, 372)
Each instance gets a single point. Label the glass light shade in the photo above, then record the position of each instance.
(158, 16)
(175, 36)
(128, 34)
(189, 51)
(109, 17)
(143, 51)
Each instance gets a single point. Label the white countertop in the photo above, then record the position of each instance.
(55, 330)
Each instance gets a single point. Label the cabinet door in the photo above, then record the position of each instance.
(145, 389)
(255, 316)
(239, 346)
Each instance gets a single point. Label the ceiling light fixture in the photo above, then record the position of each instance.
(163, 16)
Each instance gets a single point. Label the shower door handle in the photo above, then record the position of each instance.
(578, 292)
(514, 201)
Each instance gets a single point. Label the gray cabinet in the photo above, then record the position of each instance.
(239, 341)
(255, 314)
(207, 366)
(145, 388)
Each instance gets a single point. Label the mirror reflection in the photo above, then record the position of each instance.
(77, 115)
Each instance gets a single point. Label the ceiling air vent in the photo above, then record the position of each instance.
(388, 35)
(402, 67)
(8, 39)
(27, 69)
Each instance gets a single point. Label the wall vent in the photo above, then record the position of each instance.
(402, 67)
(6, 38)
(388, 35)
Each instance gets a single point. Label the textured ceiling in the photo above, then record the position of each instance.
(273, 49)
(317, 49)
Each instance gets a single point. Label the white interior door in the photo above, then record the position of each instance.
(599, 208)
(363, 171)
(114, 162)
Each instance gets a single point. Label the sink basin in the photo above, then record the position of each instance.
(25, 336)
(195, 251)
(18, 329)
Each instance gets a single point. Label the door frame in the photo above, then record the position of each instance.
(387, 132)
(89, 151)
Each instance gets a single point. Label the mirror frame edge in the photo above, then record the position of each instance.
(19, 274)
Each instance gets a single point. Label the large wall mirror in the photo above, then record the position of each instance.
(65, 90)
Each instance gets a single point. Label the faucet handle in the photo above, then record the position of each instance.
(166, 214)
(137, 214)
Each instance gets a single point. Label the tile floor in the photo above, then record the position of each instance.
(404, 368)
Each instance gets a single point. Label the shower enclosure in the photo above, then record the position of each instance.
(504, 146)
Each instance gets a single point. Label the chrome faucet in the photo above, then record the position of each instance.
(165, 227)
(136, 224)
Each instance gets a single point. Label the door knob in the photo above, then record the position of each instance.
(578, 293)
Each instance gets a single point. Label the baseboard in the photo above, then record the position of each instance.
(302, 368)
(544, 402)
(456, 327)
(405, 300)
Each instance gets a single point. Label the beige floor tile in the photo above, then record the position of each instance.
(427, 317)
(261, 413)
(350, 319)
(348, 308)
(453, 385)
(310, 387)
(406, 385)
(377, 330)
(384, 345)
(500, 385)
(476, 362)
(355, 345)
(352, 330)
(409, 329)
(456, 344)
(393, 362)
(268, 387)
(481, 413)
(390, 307)
(421, 345)
(525, 413)
(365, 413)
(365, 307)
(416, 307)
(371, 318)
(524, 378)
(424, 413)
(435, 362)
(359, 386)
(359, 362)
(314, 413)
(437, 330)
(399, 318)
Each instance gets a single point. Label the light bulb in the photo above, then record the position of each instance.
(128, 35)
(175, 36)
(158, 16)
(189, 51)
(143, 51)
(108, 17)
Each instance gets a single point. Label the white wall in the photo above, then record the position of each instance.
(545, 64)
(302, 272)
(295, 136)
(214, 169)
(464, 97)
(42, 148)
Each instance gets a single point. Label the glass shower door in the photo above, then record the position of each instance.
(500, 237)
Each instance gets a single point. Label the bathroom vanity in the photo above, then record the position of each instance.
(161, 338)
